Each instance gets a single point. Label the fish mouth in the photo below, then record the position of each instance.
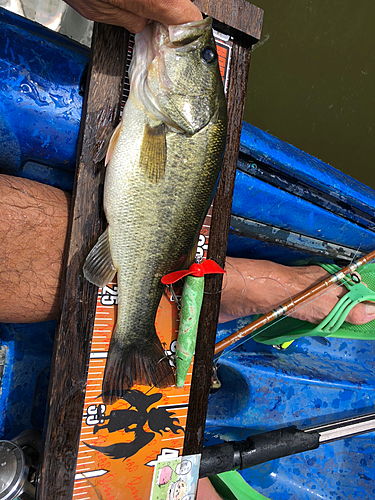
(145, 52)
(181, 39)
(148, 66)
(182, 35)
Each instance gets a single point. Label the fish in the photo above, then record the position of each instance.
(164, 161)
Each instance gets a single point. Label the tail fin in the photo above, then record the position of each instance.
(135, 364)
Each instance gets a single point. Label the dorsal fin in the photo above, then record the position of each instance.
(112, 143)
(106, 146)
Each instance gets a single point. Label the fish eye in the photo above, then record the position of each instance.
(208, 55)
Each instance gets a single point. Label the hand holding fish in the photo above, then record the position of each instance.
(135, 14)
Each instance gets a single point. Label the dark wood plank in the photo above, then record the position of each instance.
(238, 18)
(73, 338)
(201, 378)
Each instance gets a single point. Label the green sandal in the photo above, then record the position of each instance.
(285, 331)
(232, 486)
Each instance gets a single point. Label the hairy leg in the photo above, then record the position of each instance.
(257, 286)
(33, 226)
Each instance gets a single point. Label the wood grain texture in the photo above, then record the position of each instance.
(237, 18)
(201, 378)
(72, 343)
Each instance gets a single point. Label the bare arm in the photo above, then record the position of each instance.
(33, 226)
(134, 14)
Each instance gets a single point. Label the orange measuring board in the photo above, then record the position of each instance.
(120, 443)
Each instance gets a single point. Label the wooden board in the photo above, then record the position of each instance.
(73, 337)
(120, 443)
(72, 344)
(238, 18)
(240, 62)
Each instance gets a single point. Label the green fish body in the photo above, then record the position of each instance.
(159, 184)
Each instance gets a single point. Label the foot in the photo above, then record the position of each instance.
(258, 286)
(206, 491)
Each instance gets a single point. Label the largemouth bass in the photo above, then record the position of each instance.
(165, 161)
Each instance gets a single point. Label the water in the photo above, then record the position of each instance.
(312, 80)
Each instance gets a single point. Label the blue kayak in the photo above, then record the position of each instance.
(292, 208)
(288, 207)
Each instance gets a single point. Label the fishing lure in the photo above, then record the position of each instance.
(191, 303)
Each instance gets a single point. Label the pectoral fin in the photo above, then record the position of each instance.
(98, 268)
(154, 152)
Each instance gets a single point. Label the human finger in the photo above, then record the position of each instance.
(104, 12)
(206, 491)
(163, 11)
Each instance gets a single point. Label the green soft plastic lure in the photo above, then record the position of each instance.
(191, 303)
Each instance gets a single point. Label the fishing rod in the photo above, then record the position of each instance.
(271, 445)
(292, 303)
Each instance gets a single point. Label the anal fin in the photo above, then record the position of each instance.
(193, 252)
(98, 268)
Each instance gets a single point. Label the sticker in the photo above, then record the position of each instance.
(176, 478)
(224, 47)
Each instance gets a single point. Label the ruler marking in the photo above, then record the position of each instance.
(86, 463)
